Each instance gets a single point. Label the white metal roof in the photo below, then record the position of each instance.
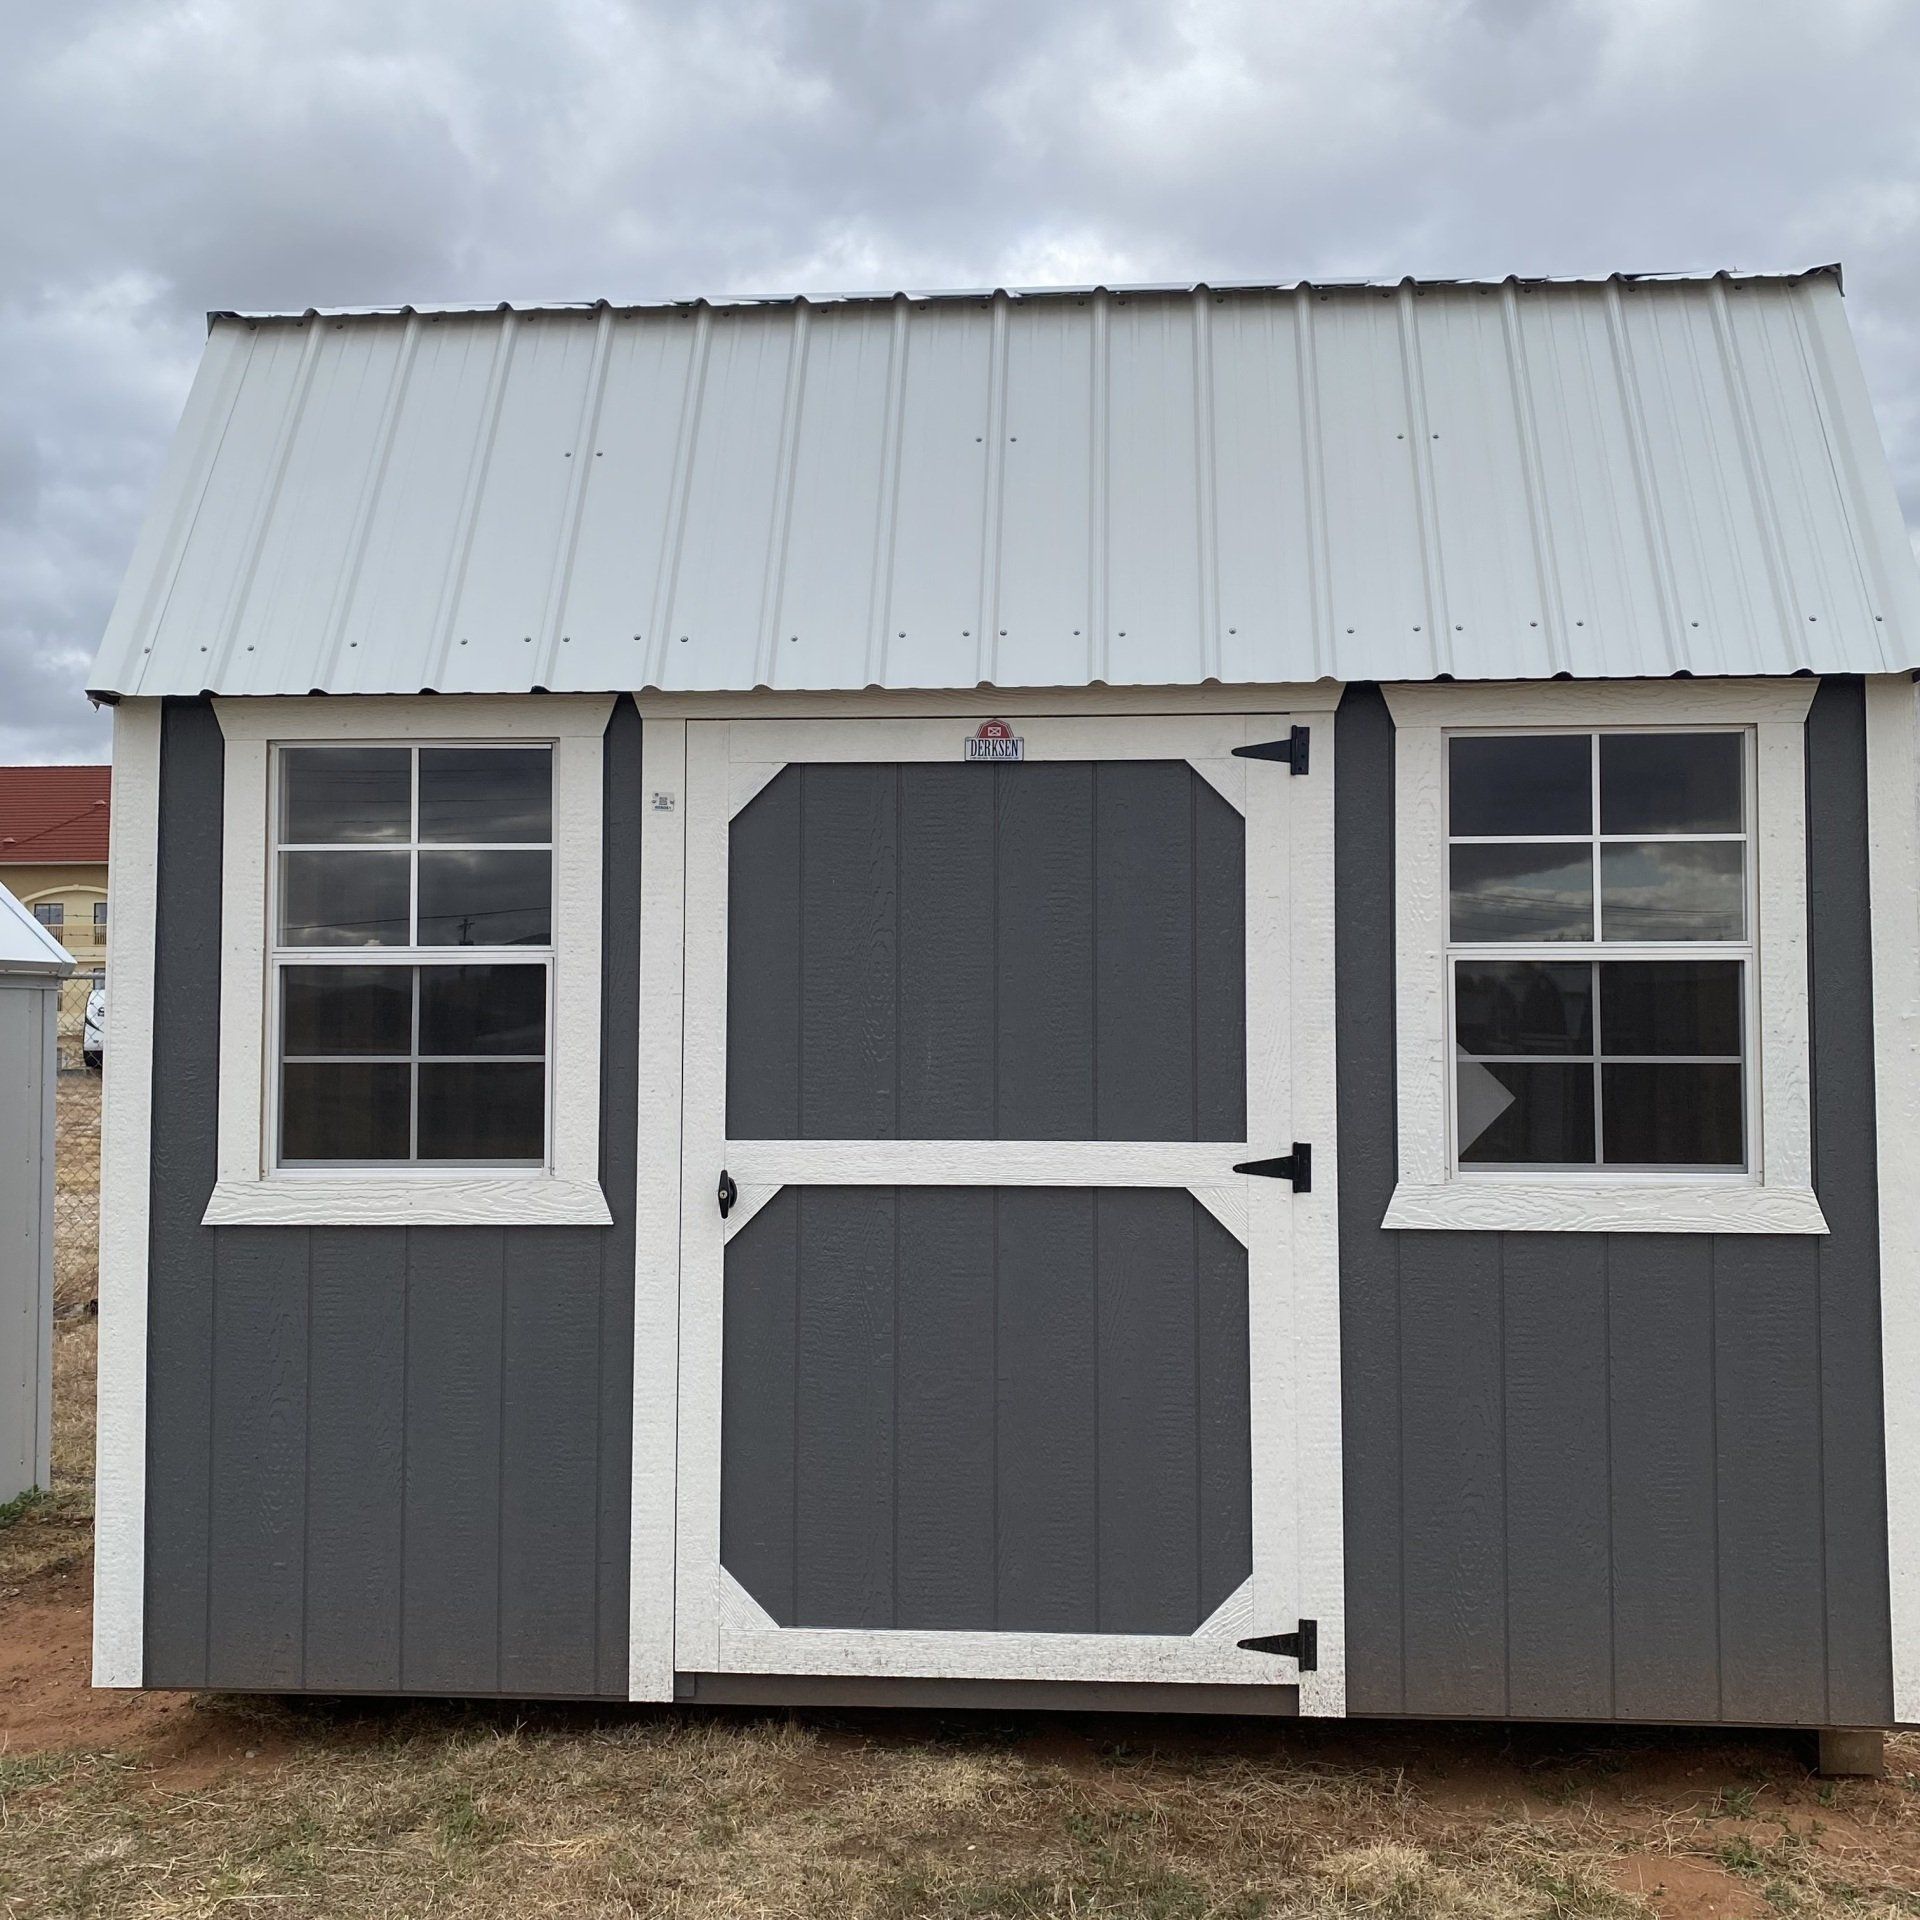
(1629, 476)
(25, 945)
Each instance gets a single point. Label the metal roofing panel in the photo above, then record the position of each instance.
(1491, 480)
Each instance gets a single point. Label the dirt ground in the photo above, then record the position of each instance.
(184, 1805)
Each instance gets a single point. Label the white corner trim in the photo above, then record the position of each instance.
(247, 1193)
(126, 1139)
(521, 1200)
(1600, 1206)
(1893, 854)
(1232, 1619)
(1780, 1199)
(1598, 703)
(656, 1249)
(740, 1612)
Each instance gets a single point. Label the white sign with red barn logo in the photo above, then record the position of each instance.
(995, 740)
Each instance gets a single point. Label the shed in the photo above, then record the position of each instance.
(32, 966)
(1194, 996)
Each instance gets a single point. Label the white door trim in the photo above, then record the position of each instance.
(1293, 1291)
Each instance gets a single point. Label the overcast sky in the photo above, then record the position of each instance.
(158, 158)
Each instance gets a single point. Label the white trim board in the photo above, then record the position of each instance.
(126, 1184)
(247, 1192)
(1780, 1198)
(1893, 855)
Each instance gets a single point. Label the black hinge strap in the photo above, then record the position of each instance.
(1292, 751)
(1302, 1646)
(1296, 1166)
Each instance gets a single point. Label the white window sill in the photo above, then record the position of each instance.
(513, 1200)
(1604, 1206)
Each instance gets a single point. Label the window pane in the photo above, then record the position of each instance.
(1520, 1114)
(486, 899)
(1672, 1116)
(480, 1111)
(483, 1009)
(1521, 783)
(353, 1110)
(1523, 1006)
(346, 1010)
(1670, 1006)
(355, 796)
(99, 913)
(343, 899)
(486, 793)
(1673, 890)
(1670, 783)
(51, 913)
(1522, 893)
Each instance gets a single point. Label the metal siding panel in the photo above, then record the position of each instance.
(455, 1325)
(764, 962)
(388, 638)
(1666, 1627)
(1559, 1597)
(843, 1408)
(499, 617)
(1263, 544)
(1370, 1338)
(757, 1408)
(1852, 1432)
(1153, 507)
(944, 1446)
(619, 544)
(549, 1453)
(355, 1497)
(947, 936)
(1042, 635)
(839, 499)
(25, 1223)
(933, 583)
(725, 536)
(256, 1536)
(180, 1286)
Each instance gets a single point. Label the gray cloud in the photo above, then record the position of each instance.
(158, 158)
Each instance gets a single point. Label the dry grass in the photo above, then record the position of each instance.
(158, 1805)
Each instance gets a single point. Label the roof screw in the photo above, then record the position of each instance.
(463, 643)
(1416, 629)
(1459, 629)
(1813, 616)
(1123, 631)
(566, 639)
(791, 638)
(636, 639)
(966, 633)
(1579, 623)
(683, 639)
(1233, 629)
(1533, 623)
(1003, 633)
(1349, 629)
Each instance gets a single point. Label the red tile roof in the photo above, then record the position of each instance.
(50, 814)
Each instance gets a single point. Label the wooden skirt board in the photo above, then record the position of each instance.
(988, 1370)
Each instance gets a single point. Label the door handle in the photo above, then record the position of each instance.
(729, 1193)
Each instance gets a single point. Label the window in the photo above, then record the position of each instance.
(1601, 1000)
(413, 954)
(100, 915)
(51, 913)
(1599, 949)
(410, 960)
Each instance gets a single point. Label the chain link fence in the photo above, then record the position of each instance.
(76, 1157)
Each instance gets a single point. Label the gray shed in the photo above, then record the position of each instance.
(32, 966)
(1189, 996)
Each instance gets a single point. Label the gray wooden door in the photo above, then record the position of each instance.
(979, 1367)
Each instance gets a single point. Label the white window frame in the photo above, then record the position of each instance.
(1774, 1193)
(251, 1189)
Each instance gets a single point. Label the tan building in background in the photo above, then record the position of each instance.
(53, 853)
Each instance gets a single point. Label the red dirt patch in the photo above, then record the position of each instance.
(1679, 1889)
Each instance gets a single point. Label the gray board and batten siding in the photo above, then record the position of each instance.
(1586, 1477)
(1615, 1476)
(381, 1459)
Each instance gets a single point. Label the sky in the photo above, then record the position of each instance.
(162, 157)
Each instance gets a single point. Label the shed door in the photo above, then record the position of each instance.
(985, 1371)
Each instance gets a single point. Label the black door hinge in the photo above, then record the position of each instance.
(1296, 1166)
(1292, 751)
(1302, 1645)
